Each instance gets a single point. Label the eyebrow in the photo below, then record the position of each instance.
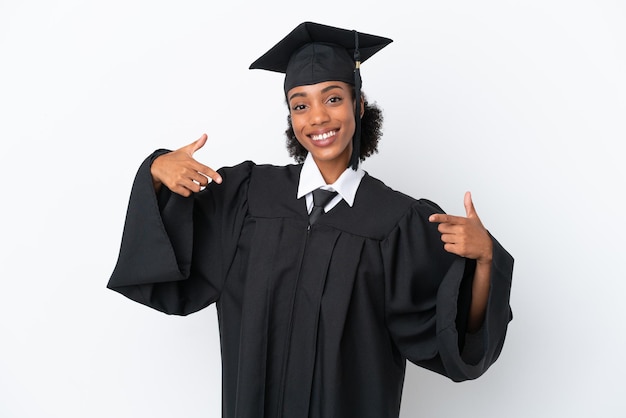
(324, 90)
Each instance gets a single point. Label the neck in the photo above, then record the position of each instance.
(331, 170)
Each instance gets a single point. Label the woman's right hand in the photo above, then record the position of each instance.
(180, 173)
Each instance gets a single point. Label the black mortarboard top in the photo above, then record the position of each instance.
(313, 53)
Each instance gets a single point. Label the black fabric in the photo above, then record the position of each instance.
(314, 321)
(355, 157)
(321, 198)
(312, 53)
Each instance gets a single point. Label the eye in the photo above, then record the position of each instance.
(335, 99)
(298, 107)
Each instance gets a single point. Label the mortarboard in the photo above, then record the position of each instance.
(313, 53)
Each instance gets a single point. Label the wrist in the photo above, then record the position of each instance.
(487, 256)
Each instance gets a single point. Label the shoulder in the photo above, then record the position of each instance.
(272, 191)
(379, 209)
(276, 171)
(378, 194)
(268, 176)
(261, 172)
(373, 192)
(265, 188)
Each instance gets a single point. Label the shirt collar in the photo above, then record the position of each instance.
(346, 185)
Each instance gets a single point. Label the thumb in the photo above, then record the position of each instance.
(197, 144)
(470, 210)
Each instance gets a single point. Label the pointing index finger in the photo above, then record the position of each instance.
(199, 167)
(444, 218)
(437, 217)
(210, 173)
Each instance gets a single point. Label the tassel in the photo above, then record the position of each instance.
(356, 139)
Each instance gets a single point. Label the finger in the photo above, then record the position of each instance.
(198, 178)
(194, 179)
(448, 228)
(199, 143)
(470, 210)
(181, 190)
(195, 185)
(448, 238)
(450, 248)
(210, 173)
(201, 168)
(455, 248)
(437, 217)
(447, 219)
(195, 145)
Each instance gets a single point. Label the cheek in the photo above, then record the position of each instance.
(301, 140)
(304, 143)
(350, 125)
(297, 126)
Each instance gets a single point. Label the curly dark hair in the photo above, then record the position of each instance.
(371, 132)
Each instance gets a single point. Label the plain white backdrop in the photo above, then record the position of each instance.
(521, 102)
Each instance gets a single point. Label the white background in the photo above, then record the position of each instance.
(521, 102)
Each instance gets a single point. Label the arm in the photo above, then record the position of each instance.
(467, 237)
(429, 297)
(174, 249)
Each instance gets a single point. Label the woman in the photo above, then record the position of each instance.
(318, 313)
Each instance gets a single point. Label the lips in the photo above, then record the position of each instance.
(323, 139)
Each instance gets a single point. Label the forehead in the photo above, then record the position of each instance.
(319, 88)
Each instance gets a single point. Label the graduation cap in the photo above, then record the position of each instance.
(313, 53)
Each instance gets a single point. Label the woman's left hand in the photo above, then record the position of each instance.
(465, 236)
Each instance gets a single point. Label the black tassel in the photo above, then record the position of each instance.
(356, 139)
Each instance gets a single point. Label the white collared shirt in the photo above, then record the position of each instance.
(345, 186)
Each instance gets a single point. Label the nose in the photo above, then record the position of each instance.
(318, 114)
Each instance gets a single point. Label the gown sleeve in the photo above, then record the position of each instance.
(428, 294)
(175, 251)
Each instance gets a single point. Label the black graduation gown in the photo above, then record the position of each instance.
(313, 322)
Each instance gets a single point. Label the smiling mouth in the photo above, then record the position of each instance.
(323, 136)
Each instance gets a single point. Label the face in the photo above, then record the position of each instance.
(322, 117)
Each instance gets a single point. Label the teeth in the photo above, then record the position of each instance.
(322, 136)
